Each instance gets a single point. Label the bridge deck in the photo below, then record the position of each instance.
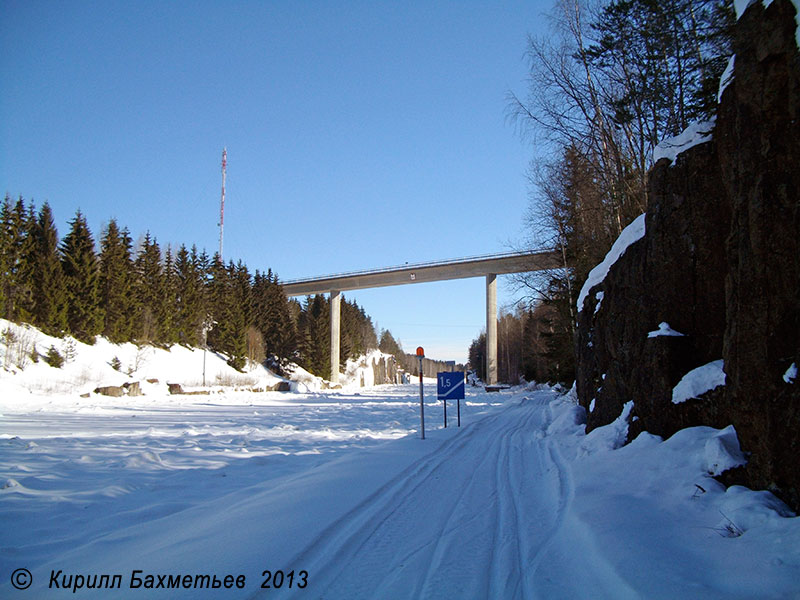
(476, 266)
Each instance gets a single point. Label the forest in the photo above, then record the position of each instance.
(147, 294)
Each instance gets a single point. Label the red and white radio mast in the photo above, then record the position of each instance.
(222, 201)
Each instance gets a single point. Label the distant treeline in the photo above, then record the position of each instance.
(149, 295)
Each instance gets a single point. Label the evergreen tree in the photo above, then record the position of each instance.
(50, 300)
(168, 333)
(314, 336)
(5, 243)
(477, 356)
(231, 311)
(357, 332)
(82, 276)
(190, 308)
(149, 291)
(272, 316)
(660, 56)
(389, 345)
(117, 283)
(17, 274)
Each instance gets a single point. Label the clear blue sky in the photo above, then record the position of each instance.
(359, 135)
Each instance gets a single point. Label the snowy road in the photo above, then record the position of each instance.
(474, 518)
(483, 517)
(518, 503)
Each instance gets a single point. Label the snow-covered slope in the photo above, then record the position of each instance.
(87, 367)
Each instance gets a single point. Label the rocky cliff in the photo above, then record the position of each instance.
(720, 264)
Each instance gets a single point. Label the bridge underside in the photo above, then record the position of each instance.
(483, 266)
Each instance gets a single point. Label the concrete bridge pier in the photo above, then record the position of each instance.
(491, 331)
(477, 266)
(491, 328)
(336, 311)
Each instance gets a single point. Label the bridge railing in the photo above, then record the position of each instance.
(419, 265)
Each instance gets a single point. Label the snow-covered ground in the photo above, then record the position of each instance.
(337, 493)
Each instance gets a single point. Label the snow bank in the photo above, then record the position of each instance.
(696, 133)
(699, 381)
(609, 437)
(87, 367)
(633, 232)
(722, 451)
(103, 363)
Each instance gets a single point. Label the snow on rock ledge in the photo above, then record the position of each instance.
(695, 134)
(699, 381)
(664, 330)
(632, 233)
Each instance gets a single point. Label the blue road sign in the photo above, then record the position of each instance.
(450, 386)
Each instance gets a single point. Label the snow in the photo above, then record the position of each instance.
(599, 297)
(696, 133)
(791, 373)
(727, 77)
(610, 437)
(633, 232)
(664, 330)
(518, 502)
(699, 381)
(722, 451)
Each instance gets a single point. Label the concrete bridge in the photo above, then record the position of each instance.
(478, 266)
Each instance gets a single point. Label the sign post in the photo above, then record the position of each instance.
(450, 386)
(420, 356)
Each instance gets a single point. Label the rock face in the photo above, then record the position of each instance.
(720, 263)
(385, 371)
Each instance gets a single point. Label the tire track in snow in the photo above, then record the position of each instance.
(462, 521)
(526, 487)
(499, 541)
(333, 554)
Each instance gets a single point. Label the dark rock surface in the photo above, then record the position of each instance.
(720, 263)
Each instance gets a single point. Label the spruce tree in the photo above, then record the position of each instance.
(17, 275)
(314, 336)
(190, 309)
(231, 311)
(272, 316)
(389, 345)
(5, 253)
(82, 275)
(240, 313)
(50, 299)
(117, 283)
(168, 333)
(148, 291)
